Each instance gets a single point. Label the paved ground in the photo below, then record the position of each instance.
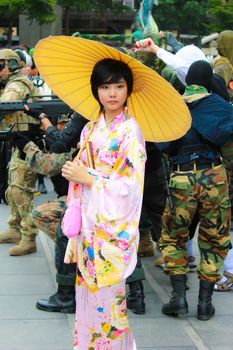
(25, 279)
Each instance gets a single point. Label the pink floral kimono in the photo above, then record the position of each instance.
(106, 248)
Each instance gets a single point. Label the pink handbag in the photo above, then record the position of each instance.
(72, 219)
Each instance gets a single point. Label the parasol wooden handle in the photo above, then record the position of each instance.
(88, 145)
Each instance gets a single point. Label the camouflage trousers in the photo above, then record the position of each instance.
(21, 205)
(204, 191)
(47, 218)
(48, 215)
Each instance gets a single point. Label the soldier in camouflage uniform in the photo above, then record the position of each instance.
(198, 182)
(21, 179)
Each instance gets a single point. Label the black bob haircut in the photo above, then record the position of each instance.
(110, 71)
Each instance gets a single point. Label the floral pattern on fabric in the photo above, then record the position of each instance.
(104, 323)
(107, 244)
(106, 248)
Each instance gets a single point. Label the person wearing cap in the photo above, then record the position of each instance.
(198, 182)
(21, 180)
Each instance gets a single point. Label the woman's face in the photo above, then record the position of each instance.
(113, 96)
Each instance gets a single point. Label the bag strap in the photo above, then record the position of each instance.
(85, 142)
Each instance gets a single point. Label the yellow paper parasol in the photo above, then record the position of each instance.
(66, 64)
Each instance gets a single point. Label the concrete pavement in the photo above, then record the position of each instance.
(25, 279)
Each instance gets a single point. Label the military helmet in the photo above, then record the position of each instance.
(11, 57)
(8, 54)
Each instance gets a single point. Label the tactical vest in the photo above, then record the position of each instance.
(191, 147)
(26, 87)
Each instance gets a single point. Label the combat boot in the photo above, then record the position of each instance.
(26, 245)
(146, 246)
(135, 299)
(11, 235)
(62, 301)
(205, 309)
(177, 304)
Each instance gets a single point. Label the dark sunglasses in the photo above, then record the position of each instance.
(2, 66)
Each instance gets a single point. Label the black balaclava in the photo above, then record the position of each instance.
(200, 73)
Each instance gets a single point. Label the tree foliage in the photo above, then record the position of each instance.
(68, 5)
(40, 10)
(194, 17)
(181, 15)
(221, 15)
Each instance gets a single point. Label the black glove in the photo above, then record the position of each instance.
(34, 113)
(20, 140)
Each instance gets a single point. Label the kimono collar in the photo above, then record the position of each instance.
(112, 124)
(194, 92)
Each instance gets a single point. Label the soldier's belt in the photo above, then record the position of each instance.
(196, 166)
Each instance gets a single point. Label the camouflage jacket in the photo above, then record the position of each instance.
(17, 87)
(45, 163)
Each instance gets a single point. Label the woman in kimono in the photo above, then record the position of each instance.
(111, 199)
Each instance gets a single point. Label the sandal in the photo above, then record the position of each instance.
(226, 285)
